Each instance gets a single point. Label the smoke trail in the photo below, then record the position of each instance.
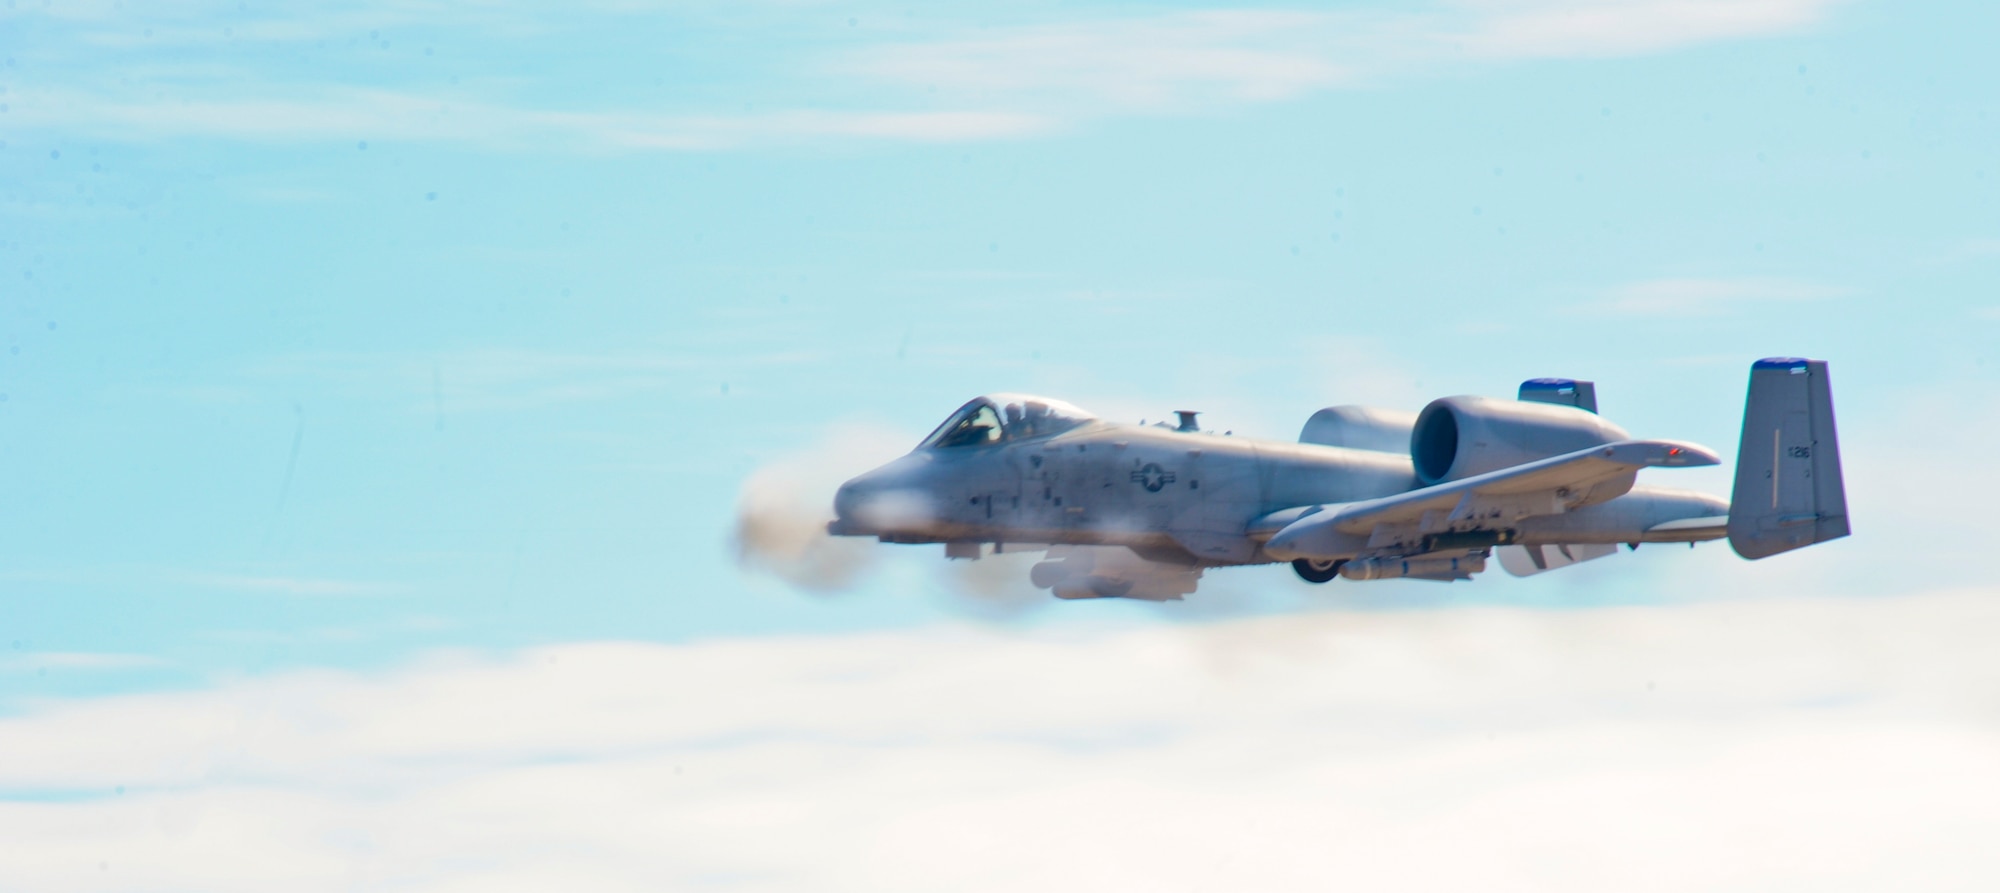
(783, 508)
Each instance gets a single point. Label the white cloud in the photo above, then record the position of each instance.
(1753, 746)
(1514, 29)
(999, 82)
(142, 576)
(1149, 61)
(320, 114)
(1184, 60)
(721, 132)
(1697, 296)
(205, 20)
(1974, 249)
(491, 379)
(79, 660)
(287, 585)
(507, 379)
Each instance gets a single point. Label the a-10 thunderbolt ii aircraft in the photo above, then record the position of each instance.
(1138, 511)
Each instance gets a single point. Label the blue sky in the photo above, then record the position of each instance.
(345, 330)
(338, 336)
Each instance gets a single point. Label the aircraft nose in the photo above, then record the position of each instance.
(847, 508)
(885, 500)
(848, 498)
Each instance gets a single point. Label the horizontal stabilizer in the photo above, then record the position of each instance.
(1789, 492)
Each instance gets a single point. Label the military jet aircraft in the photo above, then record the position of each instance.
(1138, 511)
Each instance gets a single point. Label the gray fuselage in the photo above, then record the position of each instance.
(1174, 496)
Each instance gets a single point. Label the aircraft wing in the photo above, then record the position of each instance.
(1495, 499)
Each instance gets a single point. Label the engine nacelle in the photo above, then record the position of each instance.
(1360, 428)
(1458, 437)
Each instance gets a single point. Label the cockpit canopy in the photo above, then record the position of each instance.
(995, 418)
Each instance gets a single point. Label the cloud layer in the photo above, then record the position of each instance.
(1756, 746)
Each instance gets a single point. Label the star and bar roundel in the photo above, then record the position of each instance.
(1152, 477)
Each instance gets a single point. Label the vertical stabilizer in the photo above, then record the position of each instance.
(1788, 489)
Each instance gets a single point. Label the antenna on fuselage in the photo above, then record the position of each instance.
(1187, 420)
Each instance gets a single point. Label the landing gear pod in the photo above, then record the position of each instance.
(1788, 492)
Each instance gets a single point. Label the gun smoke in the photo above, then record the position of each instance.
(784, 506)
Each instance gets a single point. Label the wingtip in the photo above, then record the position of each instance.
(1668, 453)
(1691, 455)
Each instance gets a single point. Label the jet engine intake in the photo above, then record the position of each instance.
(1458, 437)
